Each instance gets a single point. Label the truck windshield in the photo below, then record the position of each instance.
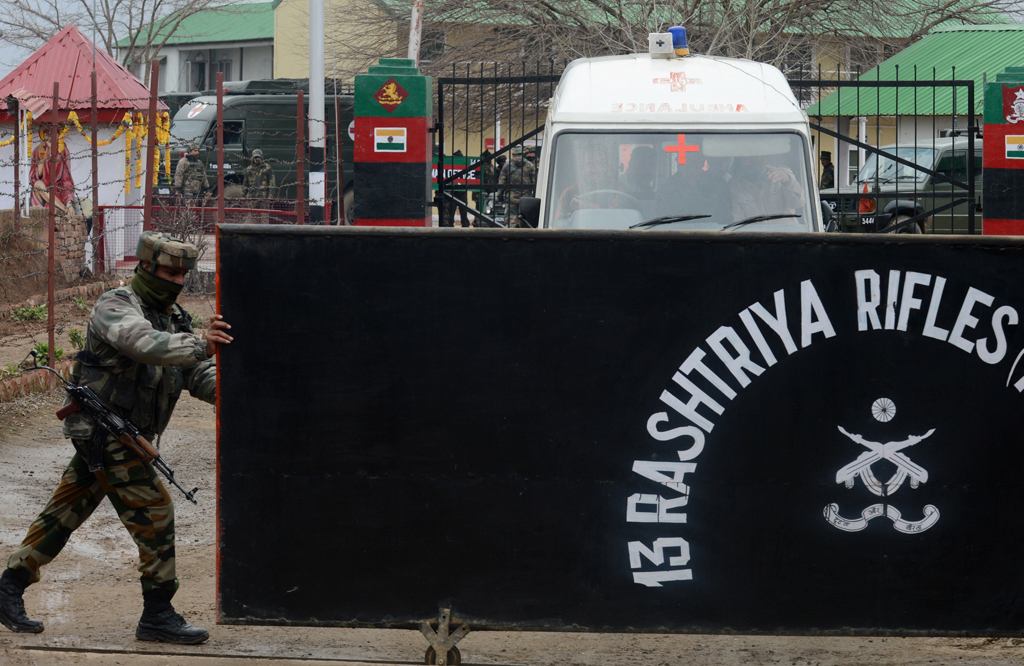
(186, 131)
(697, 180)
(887, 170)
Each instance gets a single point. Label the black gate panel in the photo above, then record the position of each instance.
(621, 431)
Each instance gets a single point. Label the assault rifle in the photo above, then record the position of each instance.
(83, 398)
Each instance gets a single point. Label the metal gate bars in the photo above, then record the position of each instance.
(914, 166)
(481, 107)
(906, 153)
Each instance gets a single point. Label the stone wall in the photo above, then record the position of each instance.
(70, 238)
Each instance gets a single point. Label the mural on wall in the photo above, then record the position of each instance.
(45, 174)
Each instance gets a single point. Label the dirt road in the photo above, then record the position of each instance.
(90, 600)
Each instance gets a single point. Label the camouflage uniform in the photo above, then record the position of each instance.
(518, 176)
(259, 181)
(137, 359)
(828, 177)
(190, 177)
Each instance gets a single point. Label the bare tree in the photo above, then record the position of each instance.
(145, 25)
(860, 33)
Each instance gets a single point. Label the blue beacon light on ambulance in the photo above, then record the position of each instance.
(678, 33)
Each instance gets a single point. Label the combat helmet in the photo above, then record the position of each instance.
(160, 249)
(517, 151)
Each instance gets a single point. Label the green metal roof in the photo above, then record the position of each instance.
(234, 23)
(960, 52)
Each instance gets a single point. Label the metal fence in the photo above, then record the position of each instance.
(484, 110)
(119, 227)
(914, 124)
(907, 147)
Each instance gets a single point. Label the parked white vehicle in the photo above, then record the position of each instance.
(657, 140)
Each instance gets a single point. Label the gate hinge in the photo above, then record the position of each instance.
(442, 650)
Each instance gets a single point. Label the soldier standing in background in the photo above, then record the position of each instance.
(517, 178)
(488, 180)
(190, 175)
(259, 180)
(140, 352)
(828, 173)
(459, 202)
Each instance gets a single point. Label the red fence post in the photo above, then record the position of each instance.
(54, 145)
(17, 163)
(100, 258)
(94, 123)
(339, 162)
(300, 159)
(147, 181)
(220, 147)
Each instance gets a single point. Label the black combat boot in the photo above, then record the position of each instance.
(159, 622)
(12, 606)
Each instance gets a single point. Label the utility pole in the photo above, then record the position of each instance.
(317, 124)
(415, 31)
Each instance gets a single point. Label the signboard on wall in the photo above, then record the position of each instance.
(455, 164)
(622, 431)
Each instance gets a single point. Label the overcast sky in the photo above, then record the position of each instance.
(10, 57)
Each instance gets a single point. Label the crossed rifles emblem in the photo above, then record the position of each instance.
(905, 468)
(890, 451)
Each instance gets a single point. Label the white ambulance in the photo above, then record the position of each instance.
(667, 141)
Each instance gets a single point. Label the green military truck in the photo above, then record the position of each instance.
(262, 114)
(905, 192)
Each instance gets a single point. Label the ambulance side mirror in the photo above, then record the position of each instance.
(828, 222)
(529, 210)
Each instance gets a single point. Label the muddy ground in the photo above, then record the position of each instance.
(90, 600)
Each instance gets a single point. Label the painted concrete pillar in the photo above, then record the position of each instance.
(394, 148)
(1003, 188)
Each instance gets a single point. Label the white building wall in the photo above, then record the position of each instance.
(247, 62)
(111, 169)
(169, 74)
(258, 62)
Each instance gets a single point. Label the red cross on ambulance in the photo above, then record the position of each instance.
(681, 148)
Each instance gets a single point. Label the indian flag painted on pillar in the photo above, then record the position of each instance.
(1015, 147)
(389, 139)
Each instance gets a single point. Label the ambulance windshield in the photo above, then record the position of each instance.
(698, 180)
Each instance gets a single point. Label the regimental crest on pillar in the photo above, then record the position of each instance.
(884, 410)
(390, 95)
(1013, 104)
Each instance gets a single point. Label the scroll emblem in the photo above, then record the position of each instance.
(884, 411)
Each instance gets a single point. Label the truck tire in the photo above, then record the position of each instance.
(912, 229)
(348, 202)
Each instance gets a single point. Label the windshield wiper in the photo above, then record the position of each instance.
(758, 218)
(668, 219)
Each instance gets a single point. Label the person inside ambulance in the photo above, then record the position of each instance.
(758, 188)
(639, 177)
(700, 188)
(595, 187)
